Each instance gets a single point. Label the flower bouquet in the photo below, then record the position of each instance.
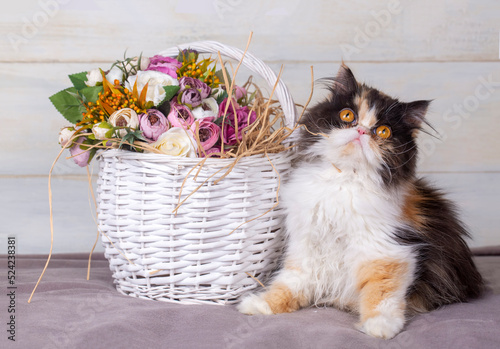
(191, 164)
(174, 106)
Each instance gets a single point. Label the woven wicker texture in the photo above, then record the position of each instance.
(193, 256)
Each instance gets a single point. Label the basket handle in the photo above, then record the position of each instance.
(251, 62)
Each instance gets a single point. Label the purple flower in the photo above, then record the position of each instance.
(180, 116)
(164, 65)
(191, 97)
(80, 156)
(233, 107)
(187, 82)
(204, 89)
(208, 132)
(153, 123)
(236, 120)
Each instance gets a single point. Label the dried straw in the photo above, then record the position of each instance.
(258, 281)
(51, 215)
(91, 190)
(51, 220)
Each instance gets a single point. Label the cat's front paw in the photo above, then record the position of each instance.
(254, 304)
(382, 326)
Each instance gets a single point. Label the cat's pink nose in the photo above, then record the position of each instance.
(362, 130)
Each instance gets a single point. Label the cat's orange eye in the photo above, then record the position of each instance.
(383, 132)
(347, 115)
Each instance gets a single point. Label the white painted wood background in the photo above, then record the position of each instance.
(446, 50)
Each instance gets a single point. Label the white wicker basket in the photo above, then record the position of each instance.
(192, 257)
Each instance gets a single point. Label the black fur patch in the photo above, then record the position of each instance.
(446, 272)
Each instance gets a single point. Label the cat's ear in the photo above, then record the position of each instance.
(344, 82)
(415, 113)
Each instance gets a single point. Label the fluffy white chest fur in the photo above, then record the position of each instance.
(336, 222)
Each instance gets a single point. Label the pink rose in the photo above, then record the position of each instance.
(239, 92)
(180, 116)
(239, 118)
(80, 156)
(152, 124)
(211, 151)
(164, 65)
(207, 131)
(233, 107)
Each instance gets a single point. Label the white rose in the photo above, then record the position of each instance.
(65, 135)
(155, 81)
(102, 130)
(93, 77)
(114, 74)
(177, 142)
(125, 117)
(207, 108)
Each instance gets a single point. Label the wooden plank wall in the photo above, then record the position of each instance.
(446, 50)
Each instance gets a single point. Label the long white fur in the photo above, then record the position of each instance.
(338, 221)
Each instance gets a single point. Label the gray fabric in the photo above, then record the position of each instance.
(69, 312)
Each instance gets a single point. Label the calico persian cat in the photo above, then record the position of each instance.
(365, 234)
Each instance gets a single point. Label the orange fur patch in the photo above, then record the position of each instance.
(348, 149)
(378, 280)
(281, 299)
(358, 99)
(289, 265)
(411, 208)
(367, 116)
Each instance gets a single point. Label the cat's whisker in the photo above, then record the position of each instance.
(392, 106)
(387, 167)
(407, 161)
(317, 126)
(405, 151)
(403, 144)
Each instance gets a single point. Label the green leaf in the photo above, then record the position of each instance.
(164, 108)
(91, 94)
(92, 154)
(138, 135)
(87, 143)
(109, 134)
(78, 80)
(68, 105)
(170, 92)
(220, 75)
(218, 121)
(187, 55)
(222, 97)
(131, 136)
(252, 96)
(246, 100)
